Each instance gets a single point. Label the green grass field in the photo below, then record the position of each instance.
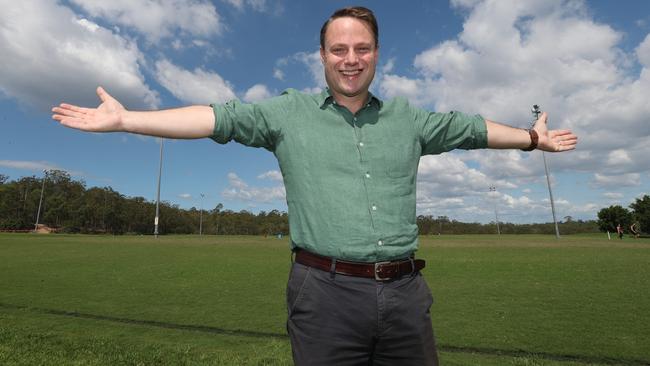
(186, 300)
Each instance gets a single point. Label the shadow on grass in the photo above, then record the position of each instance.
(247, 333)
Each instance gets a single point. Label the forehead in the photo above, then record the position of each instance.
(348, 30)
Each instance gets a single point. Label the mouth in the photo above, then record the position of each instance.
(350, 73)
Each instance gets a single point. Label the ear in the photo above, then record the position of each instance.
(322, 55)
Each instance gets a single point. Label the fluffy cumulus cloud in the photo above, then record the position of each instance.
(511, 55)
(193, 87)
(240, 190)
(310, 60)
(257, 93)
(160, 18)
(54, 54)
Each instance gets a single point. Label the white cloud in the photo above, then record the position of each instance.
(185, 196)
(278, 74)
(49, 54)
(257, 93)
(28, 165)
(616, 181)
(240, 190)
(643, 52)
(257, 5)
(158, 19)
(613, 195)
(271, 175)
(311, 61)
(37, 166)
(194, 87)
(511, 55)
(388, 66)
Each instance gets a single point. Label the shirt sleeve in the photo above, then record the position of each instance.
(252, 125)
(441, 132)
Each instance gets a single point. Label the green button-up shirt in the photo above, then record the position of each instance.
(349, 178)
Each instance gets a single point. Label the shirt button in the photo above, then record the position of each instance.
(355, 119)
(374, 208)
(361, 144)
(381, 242)
(367, 175)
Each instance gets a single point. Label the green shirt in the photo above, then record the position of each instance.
(350, 179)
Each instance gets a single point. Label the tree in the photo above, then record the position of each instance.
(610, 217)
(641, 209)
(3, 178)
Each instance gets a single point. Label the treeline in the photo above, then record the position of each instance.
(70, 207)
(634, 221)
(429, 225)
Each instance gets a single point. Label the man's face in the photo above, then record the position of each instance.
(349, 57)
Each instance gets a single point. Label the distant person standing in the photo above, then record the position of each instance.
(619, 231)
(634, 230)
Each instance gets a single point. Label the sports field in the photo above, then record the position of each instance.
(188, 300)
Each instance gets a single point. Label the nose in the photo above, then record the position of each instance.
(351, 58)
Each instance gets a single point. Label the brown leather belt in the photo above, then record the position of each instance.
(381, 271)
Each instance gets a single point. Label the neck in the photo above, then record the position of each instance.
(352, 103)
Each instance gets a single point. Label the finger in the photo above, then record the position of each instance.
(540, 124)
(69, 112)
(555, 133)
(75, 108)
(102, 94)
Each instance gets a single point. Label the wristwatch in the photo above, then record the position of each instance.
(534, 138)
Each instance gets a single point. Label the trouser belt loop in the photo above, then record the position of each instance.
(333, 268)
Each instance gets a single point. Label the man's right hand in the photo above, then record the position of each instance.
(190, 122)
(107, 117)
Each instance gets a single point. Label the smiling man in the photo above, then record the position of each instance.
(355, 295)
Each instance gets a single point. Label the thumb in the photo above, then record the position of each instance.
(540, 124)
(102, 94)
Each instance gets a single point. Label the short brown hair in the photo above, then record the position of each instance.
(358, 12)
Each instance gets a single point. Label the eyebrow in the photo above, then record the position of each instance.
(360, 44)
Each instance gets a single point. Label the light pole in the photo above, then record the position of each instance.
(496, 214)
(536, 112)
(155, 230)
(40, 202)
(201, 216)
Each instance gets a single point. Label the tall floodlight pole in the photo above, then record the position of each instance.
(201, 216)
(536, 113)
(496, 213)
(40, 202)
(155, 230)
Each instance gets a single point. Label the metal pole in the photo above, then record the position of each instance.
(201, 216)
(155, 231)
(38, 213)
(496, 213)
(536, 113)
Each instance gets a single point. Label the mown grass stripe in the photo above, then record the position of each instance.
(246, 333)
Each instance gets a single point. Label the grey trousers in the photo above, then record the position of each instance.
(343, 320)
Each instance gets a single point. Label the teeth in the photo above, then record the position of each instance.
(350, 73)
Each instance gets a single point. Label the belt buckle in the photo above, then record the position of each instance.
(377, 276)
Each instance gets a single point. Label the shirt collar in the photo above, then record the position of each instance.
(325, 98)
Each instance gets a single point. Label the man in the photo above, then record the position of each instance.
(619, 231)
(349, 161)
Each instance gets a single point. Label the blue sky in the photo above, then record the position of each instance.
(587, 63)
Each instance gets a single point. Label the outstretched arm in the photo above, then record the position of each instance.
(505, 137)
(110, 116)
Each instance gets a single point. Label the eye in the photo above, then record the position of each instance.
(338, 51)
(363, 49)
